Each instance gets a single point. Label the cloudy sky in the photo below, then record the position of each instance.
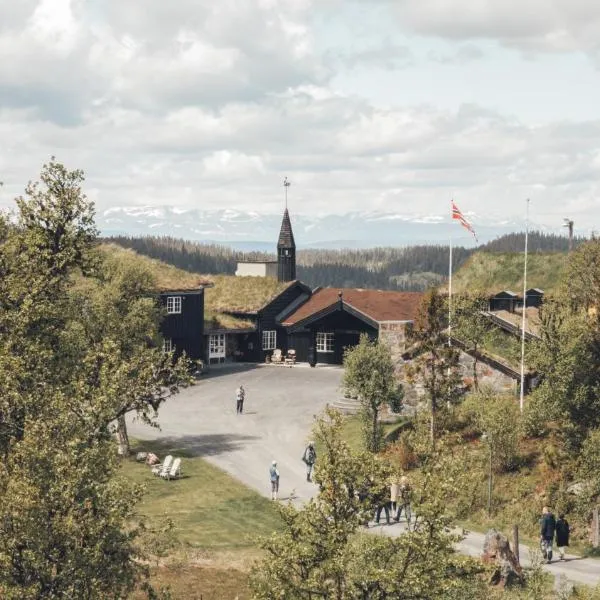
(388, 105)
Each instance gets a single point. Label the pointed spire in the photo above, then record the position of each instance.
(286, 235)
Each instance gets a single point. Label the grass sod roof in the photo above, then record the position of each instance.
(166, 277)
(490, 273)
(241, 294)
(214, 321)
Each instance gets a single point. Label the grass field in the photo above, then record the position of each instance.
(209, 509)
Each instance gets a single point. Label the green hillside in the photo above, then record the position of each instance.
(493, 272)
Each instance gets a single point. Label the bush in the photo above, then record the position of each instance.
(498, 420)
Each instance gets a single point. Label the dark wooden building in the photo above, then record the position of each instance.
(283, 314)
(182, 327)
(333, 319)
(534, 297)
(257, 331)
(505, 300)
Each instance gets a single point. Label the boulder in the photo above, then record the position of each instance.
(497, 552)
(576, 489)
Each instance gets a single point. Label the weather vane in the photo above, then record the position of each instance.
(286, 185)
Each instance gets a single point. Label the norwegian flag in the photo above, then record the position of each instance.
(456, 214)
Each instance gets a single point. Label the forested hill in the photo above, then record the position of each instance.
(409, 268)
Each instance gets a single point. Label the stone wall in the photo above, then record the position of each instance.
(487, 376)
(394, 335)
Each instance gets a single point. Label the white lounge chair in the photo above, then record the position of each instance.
(175, 471)
(277, 357)
(164, 467)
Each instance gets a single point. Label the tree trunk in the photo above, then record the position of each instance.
(122, 437)
(432, 424)
(475, 379)
(375, 431)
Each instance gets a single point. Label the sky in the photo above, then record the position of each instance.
(379, 105)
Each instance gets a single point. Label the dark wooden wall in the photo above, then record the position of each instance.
(346, 329)
(186, 329)
(267, 319)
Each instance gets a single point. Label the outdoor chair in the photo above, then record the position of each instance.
(290, 359)
(164, 467)
(277, 357)
(174, 472)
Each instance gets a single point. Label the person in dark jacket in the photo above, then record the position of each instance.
(547, 529)
(562, 535)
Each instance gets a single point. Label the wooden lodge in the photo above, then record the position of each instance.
(247, 318)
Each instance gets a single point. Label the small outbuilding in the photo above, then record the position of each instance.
(534, 297)
(505, 300)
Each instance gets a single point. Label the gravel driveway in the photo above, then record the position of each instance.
(278, 414)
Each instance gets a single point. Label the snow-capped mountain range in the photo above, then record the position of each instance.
(259, 231)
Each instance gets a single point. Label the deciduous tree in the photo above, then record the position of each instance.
(321, 552)
(471, 326)
(369, 373)
(436, 361)
(68, 525)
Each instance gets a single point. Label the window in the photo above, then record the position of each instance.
(168, 345)
(269, 340)
(216, 345)
(173, 305)
(324, 342)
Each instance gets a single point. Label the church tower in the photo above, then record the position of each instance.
(286, 250)
(286, 247)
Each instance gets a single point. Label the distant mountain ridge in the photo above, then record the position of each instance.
(253, 231)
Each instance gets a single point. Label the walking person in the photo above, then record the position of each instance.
(240, 394)
(403, 501)
(547, 530)
(380, 496)
(562, 535)
(274, 477)
(309, 458)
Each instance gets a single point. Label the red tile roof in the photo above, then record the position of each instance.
(379, 305)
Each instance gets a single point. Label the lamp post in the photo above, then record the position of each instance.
(488, 437)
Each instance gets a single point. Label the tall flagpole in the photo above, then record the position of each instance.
(450, 295)
(524, 316)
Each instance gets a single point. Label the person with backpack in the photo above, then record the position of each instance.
(403, 501)
(274, 478)
(562, 535)
(547, 530)
(309, 458)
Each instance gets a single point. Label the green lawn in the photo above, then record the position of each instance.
(352, 431)
(209, 509)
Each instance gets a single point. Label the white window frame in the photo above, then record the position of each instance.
(217, 345)
(174, 305)
(168, 345)
(325, 342)
(269, 339)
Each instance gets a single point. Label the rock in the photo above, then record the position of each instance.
(141, 456)
(576, 489)
(496, 551)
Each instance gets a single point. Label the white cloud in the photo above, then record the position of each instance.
(548, 25)
(209, 104)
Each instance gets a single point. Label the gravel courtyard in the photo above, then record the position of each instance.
(278, 414)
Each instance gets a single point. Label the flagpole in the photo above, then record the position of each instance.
(450, 295)
(524, 315)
